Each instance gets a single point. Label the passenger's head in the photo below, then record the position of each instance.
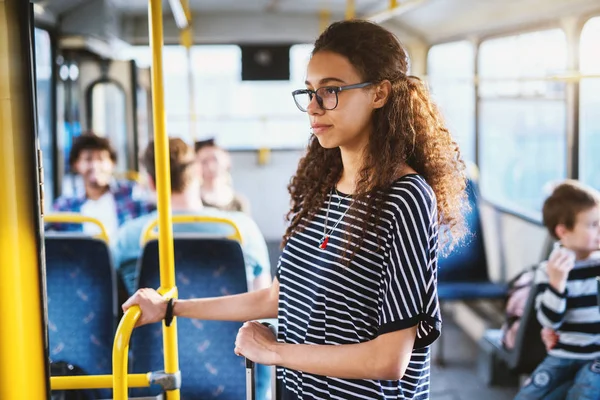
(572, 215)
(183, 166)
(200, 144)
(215, 163)
(390, 123)
(93, 158)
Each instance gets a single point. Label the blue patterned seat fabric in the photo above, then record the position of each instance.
(463, 274)
(204, 267)
(81, 303)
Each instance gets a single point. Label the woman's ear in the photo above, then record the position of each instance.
(382, 93)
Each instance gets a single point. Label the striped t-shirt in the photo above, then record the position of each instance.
(386, 288)
(574, 314)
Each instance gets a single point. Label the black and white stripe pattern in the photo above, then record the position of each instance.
(385, 289)
(573, 314)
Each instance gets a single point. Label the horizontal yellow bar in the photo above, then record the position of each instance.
(149, 233)
(74, 218)
(96, 381)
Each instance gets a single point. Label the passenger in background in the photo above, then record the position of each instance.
(105, 198)
(567, 303)
(217, 186)
(185, 186)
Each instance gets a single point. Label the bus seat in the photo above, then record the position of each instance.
(204, 267)
(528, 351)
(82, 304)
(463, 274)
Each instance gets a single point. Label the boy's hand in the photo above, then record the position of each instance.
(549, 337)
(561, 262)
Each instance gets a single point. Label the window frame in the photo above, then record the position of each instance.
(572, 99)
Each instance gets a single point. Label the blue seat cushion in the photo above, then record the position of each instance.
(471, 290)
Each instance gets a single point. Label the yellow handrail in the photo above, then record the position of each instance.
(96, 381)
(74, 218)
(165, 242)
(121, 350)
(120, 380)
(150, 234)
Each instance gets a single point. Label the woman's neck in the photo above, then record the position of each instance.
(352, 164)
(352, 161)
(219, 195)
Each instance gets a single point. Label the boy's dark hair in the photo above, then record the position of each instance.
(204, 143)
(566, 201)
(90, 141)
(181, 158)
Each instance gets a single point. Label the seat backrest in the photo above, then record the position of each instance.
(82, 304)
(467, 262)
(529, 350)
(204, 267)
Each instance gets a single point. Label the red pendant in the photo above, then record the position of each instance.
(323, 243)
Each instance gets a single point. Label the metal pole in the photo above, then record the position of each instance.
(163, 184)
(23, 353)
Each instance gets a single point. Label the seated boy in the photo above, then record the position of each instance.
(567, 302)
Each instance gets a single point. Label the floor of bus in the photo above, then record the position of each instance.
(458, 379)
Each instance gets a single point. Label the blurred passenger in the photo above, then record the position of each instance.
(109, 200)
(217, 186)
(185, 186)
(568, 303)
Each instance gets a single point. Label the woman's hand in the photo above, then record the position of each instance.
(152, 304)
(257, 343)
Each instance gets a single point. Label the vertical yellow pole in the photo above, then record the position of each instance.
(393, 4)
(186, 38)
(163, 184)
(324, 17)
(350, 9)
(22, 354)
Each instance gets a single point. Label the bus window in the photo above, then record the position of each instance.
(589, 118)
(522, 118)
(43, 75)
(239, 114)
(450, 73)
(108, 118)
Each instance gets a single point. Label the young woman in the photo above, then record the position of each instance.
(355, 291)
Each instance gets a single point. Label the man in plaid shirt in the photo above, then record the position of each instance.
(109, 200)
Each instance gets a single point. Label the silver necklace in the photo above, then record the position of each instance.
(326, 234)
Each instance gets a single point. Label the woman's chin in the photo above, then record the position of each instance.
(327, 143)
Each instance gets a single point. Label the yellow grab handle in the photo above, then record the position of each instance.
(150, 234)
(74, 218)
(121, 350)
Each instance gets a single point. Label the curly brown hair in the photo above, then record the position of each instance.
(90, 141)
(407, 130)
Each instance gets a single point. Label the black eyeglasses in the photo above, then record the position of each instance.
(327, 96)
